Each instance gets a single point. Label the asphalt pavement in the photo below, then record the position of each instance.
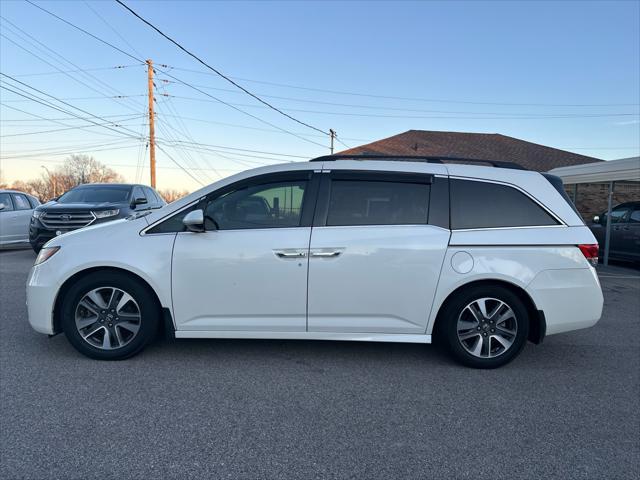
(196, 409)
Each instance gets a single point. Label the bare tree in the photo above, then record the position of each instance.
(76, 170)
(171, 195)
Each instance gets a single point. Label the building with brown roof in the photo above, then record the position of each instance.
(477, 146)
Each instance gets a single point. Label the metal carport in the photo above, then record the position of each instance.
(610, 172)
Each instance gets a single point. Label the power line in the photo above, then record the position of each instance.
(61, 101)
(96, 69)
(172, 76)
(505, 116)
(178, 164)
(90, 76)
(115, 124)
(57, 121)
(414, 99)
(243, 111)
(112, 29)
(90, 98)
(219, 73)
(371, 107)
(84, 31)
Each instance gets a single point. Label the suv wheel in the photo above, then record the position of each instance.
(485, 326)
(109, 316)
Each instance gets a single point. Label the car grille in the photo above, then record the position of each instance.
(67, 221)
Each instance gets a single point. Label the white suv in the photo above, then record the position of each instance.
(340, 248)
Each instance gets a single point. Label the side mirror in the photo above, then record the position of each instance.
(194, 221)
(596, 219)
(138, 201)
(2, 206)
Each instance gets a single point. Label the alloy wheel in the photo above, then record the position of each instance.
(487, 327)
(107, 318)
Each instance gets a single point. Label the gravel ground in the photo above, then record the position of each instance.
(568, 408)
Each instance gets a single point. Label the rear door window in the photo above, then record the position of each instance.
(477, 204)
(373, 202)
(20, 202)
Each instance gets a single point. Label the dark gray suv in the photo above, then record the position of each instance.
(89, 204)
(625, 231)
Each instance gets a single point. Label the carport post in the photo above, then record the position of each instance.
(607, 237)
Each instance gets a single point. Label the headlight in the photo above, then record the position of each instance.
(106, 213)
(45, 254)
(37, 213)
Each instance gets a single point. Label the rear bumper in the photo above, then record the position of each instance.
(571, 299)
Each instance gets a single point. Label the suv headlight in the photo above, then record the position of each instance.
(106, 213)
(37, 213)
(45, 254)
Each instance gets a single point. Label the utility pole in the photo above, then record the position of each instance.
(152, 131)
(332, 132)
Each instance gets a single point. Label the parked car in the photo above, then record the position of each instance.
(89, 204)
(625, 232)
(15, 213)
(481, 259)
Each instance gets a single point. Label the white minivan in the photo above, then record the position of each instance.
(369, 248)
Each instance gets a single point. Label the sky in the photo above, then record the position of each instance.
(562, 74)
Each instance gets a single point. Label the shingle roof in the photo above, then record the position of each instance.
(480, 146)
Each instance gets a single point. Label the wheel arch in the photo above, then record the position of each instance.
(73, 279)
(537, 326)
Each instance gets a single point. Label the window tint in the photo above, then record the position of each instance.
(151, 198)
(20, 202)
(96, 194)
(477, 204)
(618, 215)
(5, 199)
(271, 205)
(139, 193)
(635, 216)
(174, 223)
(34, 201)
(359, 202)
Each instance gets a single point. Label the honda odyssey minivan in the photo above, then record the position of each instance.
(415, 249)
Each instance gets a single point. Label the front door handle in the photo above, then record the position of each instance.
(290, 253)
(326, 253)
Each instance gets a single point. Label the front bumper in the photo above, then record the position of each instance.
(41, 298)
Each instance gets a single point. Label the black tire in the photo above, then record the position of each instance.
(149, 314)
(456, 308)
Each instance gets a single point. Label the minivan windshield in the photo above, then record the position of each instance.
(96, 194)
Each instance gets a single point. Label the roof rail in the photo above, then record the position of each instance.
(418, 158)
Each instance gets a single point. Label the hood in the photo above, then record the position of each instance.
(60, 207)
(102, 230)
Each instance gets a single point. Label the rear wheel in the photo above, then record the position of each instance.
(485, 326)
(109, 315)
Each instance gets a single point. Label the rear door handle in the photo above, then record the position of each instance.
(326, 253)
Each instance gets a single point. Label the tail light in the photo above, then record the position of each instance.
(590, 252)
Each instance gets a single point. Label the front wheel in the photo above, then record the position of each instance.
(485, 326)
(109, 315)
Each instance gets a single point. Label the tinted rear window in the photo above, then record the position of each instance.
(360, 202)
(489, 205)
(96, 195)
